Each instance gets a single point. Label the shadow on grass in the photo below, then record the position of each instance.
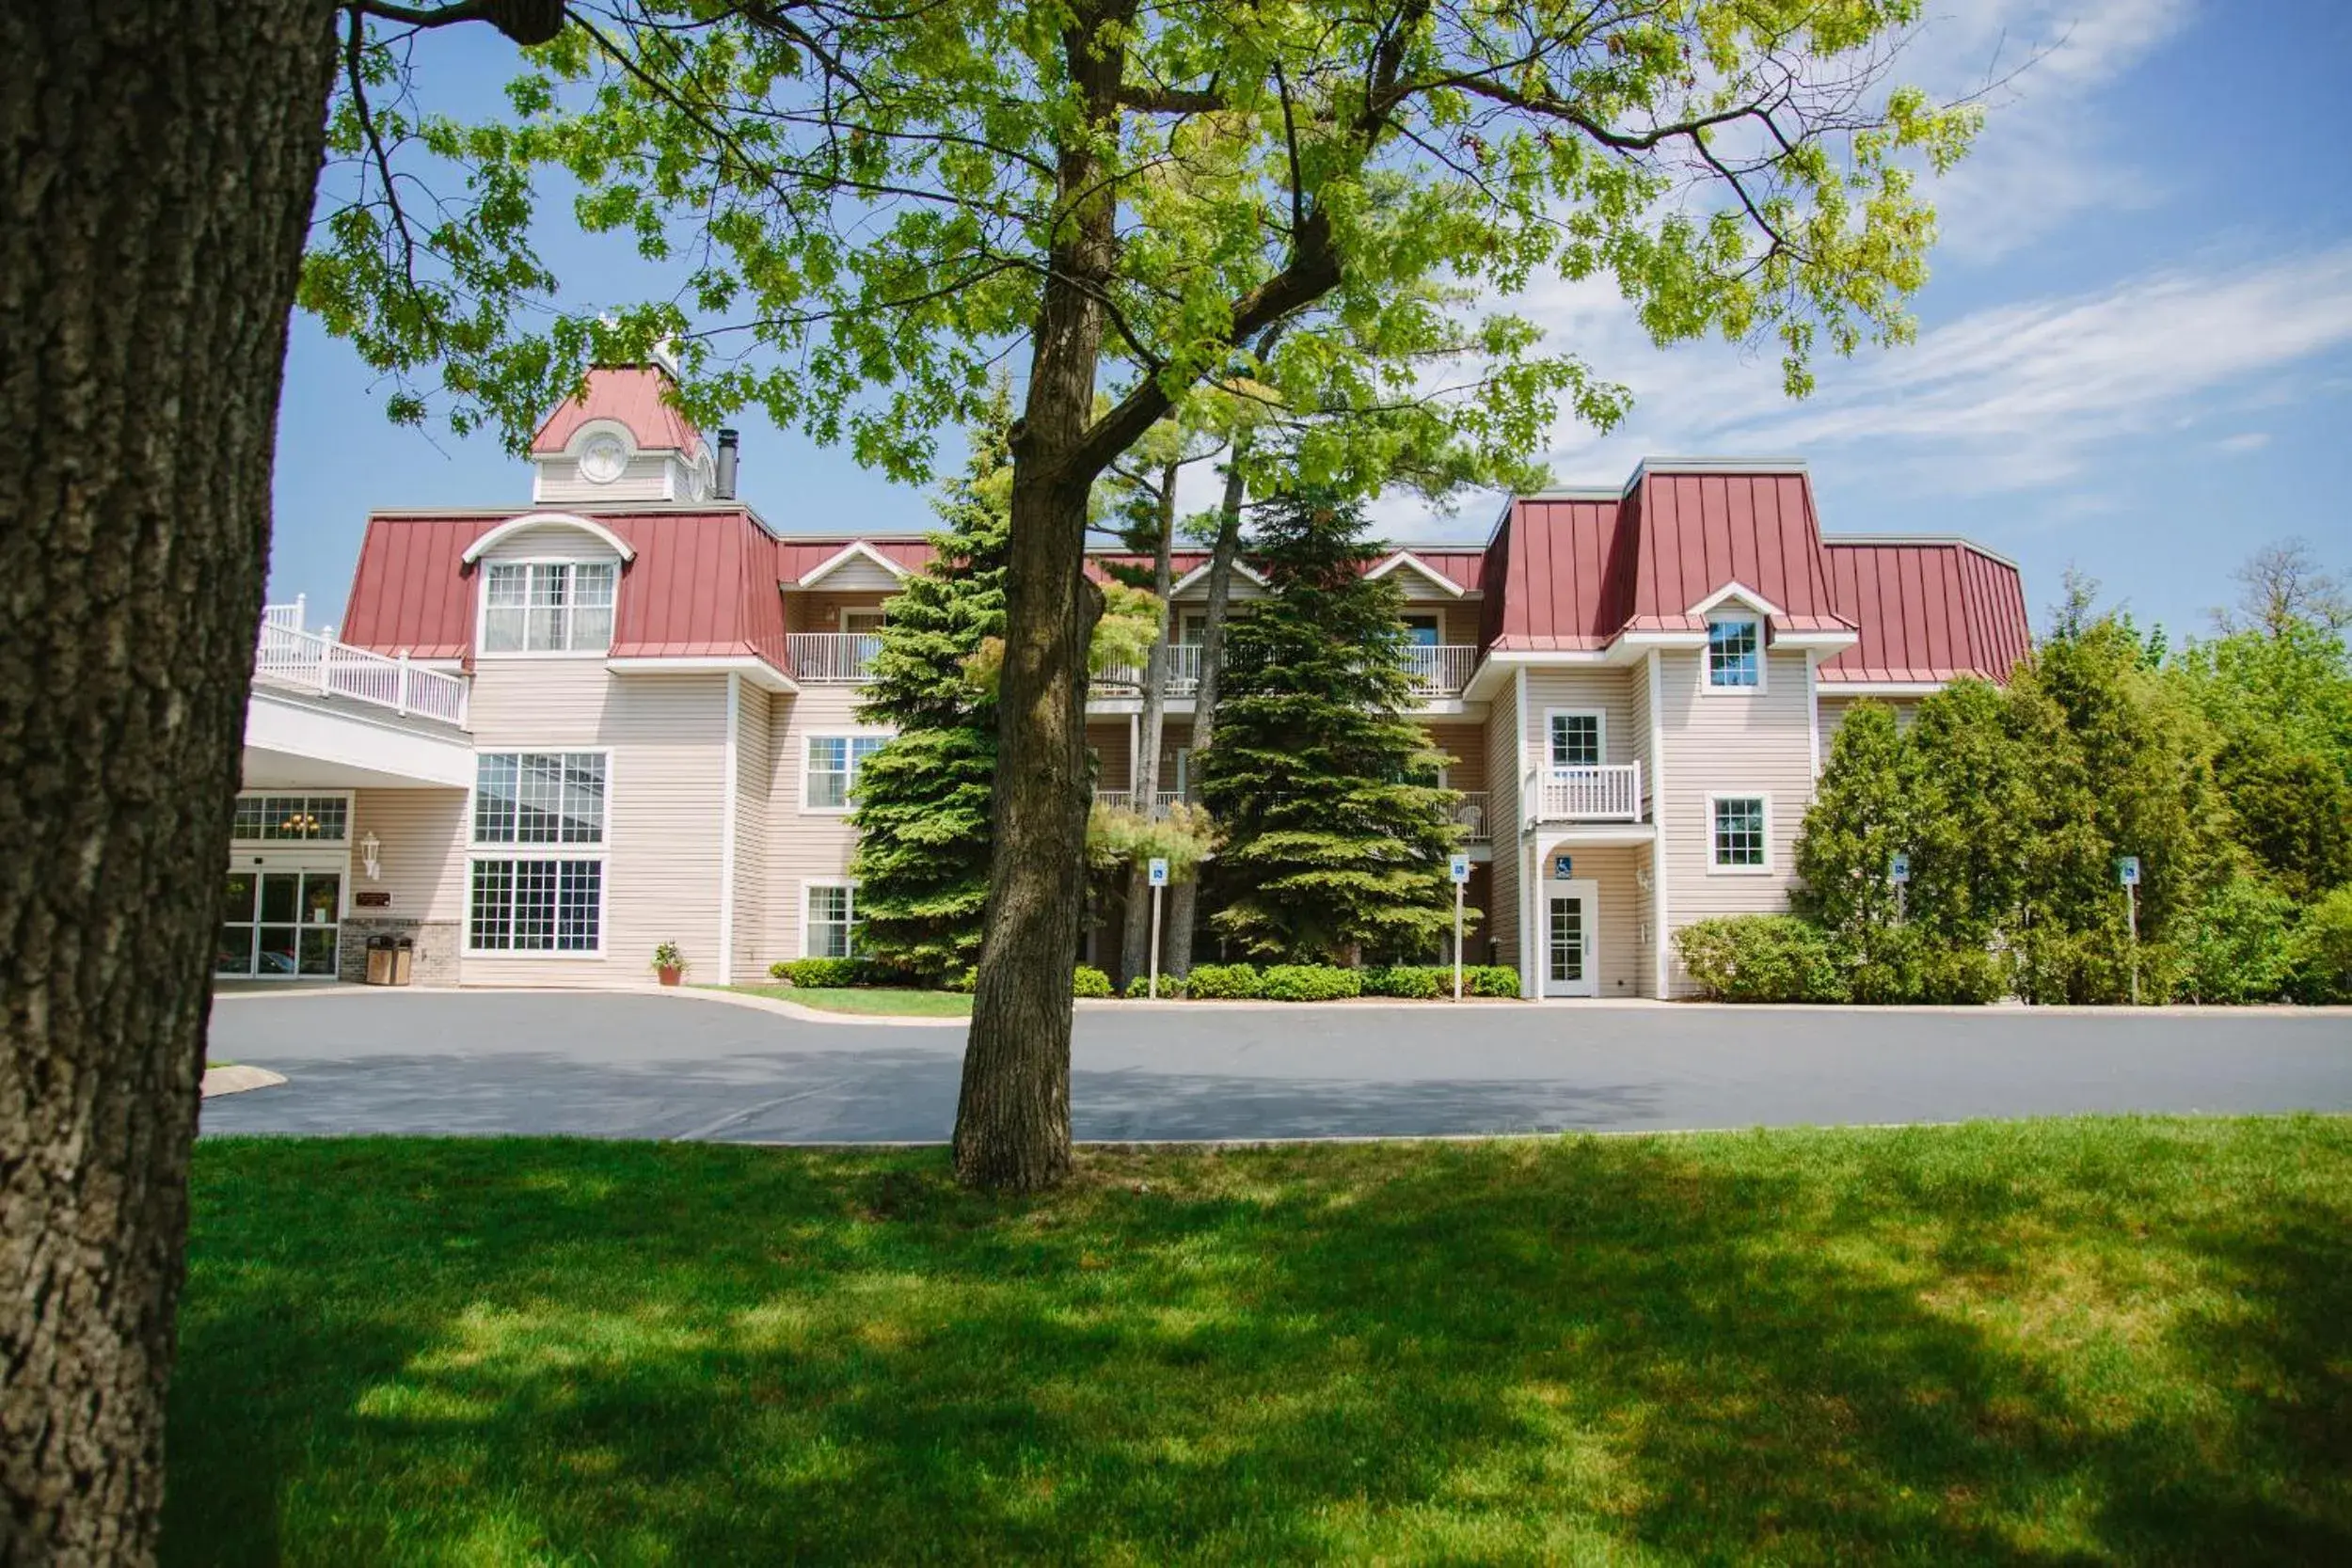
(2061, 1341)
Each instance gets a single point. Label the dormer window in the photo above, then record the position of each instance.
(539, 607)
(1734, 653)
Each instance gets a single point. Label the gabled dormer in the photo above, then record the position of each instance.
(623, 441)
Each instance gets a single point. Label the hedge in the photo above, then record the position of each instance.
(1310, 983)
(1171, 984)
(1086, 980)
(1224, 983)
(825, 971)
(1413, 982)
(1761, 957)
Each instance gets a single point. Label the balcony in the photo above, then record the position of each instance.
(293, 659)
(1124, 799)
(1126, 680)
(831, 657)
(1440, 669)
(1471, 813)
(1611, 793)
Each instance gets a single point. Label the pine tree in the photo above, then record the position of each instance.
(1334, 833)
(923, 802)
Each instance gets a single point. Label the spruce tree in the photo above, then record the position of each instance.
(923, 802)
(1333, 832)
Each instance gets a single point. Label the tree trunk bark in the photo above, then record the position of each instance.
(159, 163)
(1143, 772)
(1185, 911)
(1012, 1117)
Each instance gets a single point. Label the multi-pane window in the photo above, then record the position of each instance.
(548, 606)
(835, 762)
(831, 930)
(1576, 741)
(1738, 833)
(291, 818)
(539, 798)
(1734, 653)
(522, 902)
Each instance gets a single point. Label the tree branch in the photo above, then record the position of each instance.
(526, 22)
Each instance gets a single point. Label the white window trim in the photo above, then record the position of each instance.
(1763, 663)
(810, 738)
(1600, 732)
(809, 885)
(482, 613)
(841, 615)
(1715, 869)
(253, 846)
(602, 851)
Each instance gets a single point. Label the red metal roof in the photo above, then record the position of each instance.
(636, 396)
(1927, 611)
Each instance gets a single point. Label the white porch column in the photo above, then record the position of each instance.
(1661, 964)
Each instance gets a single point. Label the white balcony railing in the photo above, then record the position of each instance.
(1125, 800)
(1612, 793)
(1441, 670)
(299, 661)
(831, 657)
(1126, 680)
(1470, 812)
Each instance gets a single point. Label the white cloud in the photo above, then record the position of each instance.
(2243, 442)
(2042, 157)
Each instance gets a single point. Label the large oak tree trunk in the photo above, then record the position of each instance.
(158, 162)
(1012, 1117)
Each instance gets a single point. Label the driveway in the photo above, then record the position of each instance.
(682, 1066)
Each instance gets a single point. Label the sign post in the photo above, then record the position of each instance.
(1898, 872)
(1159, 880)
(1458, 868)
(2127, 872)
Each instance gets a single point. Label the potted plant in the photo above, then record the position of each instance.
(669, 963)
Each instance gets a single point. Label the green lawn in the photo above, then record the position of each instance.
(902, 1001)
(2064, 1341)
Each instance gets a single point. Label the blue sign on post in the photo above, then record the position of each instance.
(1898, 867)
(1159, 872)
(2127, 870)
(1458, 867)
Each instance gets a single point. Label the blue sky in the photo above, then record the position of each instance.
(2134, 355)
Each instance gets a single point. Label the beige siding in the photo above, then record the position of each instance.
(1607, 691)
(1466, 743)
(666, 785)
(547, 541)
(1457, 624)
(1757, 743)
(821, 611)
(1111, 750)
(804, 846)
(755, 763)
(1504, 748)
(420, 849)
(858, 574)
(559, 483)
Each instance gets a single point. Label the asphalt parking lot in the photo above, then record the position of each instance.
(688, 1066)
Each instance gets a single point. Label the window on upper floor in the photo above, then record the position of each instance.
(540, 606)
(521, 898)
(835, 762)
(1739, 836)
(1575, 739)
(1424, 631)
(1734, 653)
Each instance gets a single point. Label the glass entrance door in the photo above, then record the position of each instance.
(279, 924)
(1568, 942)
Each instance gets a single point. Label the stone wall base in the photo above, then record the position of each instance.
(435, 963)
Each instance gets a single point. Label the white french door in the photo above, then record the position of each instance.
(1571, 939)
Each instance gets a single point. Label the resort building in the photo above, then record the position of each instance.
(545, 739)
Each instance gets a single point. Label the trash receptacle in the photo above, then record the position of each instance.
(403, 959)
(380, 960)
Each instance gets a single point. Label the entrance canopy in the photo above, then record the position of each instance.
(296, 740)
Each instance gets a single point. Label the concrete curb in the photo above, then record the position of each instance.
(237, 1078)
(811, 1015)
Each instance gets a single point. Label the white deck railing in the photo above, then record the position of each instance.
(831, 657)
(1441, 670)
(1470, 812)
(301, 660)
(1124, 799)
(1183, 675)
(1611, 793)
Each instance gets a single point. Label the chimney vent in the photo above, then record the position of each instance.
(723, 482)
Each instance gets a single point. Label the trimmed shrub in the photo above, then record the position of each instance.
(1413, 982)
(1969, 977)
(1308, 983)
(966, 982)
(1760, 958)
(1488, 980)
(1086, 980)
(825, 971)
(1140, 986)
(2323, 949)
(1223, 983)
(2240, 943)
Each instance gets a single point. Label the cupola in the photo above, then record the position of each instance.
(623, 441)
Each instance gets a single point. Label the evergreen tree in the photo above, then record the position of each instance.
(923, 802)
(1859, 820)
(1334, 832)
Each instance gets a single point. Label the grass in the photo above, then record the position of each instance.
(903, 1002)
(2066, 1341)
